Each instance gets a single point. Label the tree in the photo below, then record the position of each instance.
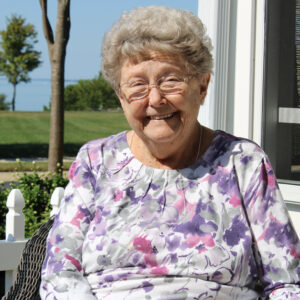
(3, 105)
(17, 55)
(57, 53)
(94, 94)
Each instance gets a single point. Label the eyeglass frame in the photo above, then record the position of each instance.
(184, 79)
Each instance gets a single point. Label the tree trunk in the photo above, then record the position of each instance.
(13, 100)
(57, 54)
(56, 139)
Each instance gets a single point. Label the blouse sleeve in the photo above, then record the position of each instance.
(276, 244)
(62, 272)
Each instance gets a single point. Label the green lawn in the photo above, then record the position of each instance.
(26, 134)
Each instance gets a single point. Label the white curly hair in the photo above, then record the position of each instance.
(144, 30)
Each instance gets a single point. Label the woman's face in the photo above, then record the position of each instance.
(161, 118)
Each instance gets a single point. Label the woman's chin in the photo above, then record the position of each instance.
(161, 136)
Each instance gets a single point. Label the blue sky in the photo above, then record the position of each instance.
(90, 19)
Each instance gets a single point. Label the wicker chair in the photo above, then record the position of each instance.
(27, 282)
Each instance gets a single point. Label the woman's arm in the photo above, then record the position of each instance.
(277, 246)
(62, 272)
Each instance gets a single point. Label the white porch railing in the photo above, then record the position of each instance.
(11, 248)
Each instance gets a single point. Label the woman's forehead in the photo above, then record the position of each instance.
(157, 67)
(155, 56)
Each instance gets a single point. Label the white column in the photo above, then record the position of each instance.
(207, 12)
(244, 68)
(258, 72)
(234, 100)
(216, 16)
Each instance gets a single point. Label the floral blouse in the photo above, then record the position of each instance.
(215, 230)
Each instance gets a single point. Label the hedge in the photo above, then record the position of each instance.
(37, 190)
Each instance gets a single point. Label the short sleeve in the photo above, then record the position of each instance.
(62, 271)
(277, 247)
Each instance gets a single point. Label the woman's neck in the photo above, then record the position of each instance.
(169, 156)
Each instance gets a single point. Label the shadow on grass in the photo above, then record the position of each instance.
(34, 150)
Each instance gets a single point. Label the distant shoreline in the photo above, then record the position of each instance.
(31, 96)
(42, 79)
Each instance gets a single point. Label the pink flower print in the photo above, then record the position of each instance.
(160, 270)
(294, 252)
(274, 219)
(118, 195)
(271, 181)
(207, 240)
(262, 236)
(206, 178)
(235, 201)
(76, 220)
(192, 240)
(74, 173)
(93, 153)
(150, 260)
(74, 261)
(201, 249)
(180, 204)
(73, 169)
(142, 244)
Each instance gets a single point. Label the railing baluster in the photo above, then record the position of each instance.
(15, 220)
(15, 224)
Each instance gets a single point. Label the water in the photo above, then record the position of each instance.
(31, 96)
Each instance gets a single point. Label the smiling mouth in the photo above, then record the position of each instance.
(162, 117)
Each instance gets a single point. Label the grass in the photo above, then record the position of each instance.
(26, 134)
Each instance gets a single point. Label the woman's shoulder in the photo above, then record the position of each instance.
(94, 151)
(239, 155)
(113, 142)
(234, 144)
(238, 149)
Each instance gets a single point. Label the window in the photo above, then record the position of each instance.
(281, 134)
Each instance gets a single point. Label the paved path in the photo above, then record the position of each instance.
(13, 176)
(9, 176)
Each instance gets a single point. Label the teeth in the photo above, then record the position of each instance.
(161, 117)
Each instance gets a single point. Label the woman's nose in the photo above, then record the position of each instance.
(155, 97)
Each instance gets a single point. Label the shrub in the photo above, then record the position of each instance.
(94, 94)
(37, 191)
(3, 210)
(4, 105)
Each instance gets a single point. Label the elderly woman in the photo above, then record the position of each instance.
(169, 209)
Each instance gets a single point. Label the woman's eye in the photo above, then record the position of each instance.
(137, 83)
(172, 78)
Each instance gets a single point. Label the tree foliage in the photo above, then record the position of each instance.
(94, 94)
(17, 54)
(4, 105)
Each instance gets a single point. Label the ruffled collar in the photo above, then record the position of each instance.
(125, 158)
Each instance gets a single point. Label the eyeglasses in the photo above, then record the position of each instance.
(139, 89)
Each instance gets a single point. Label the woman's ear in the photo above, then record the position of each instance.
(204, 82)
